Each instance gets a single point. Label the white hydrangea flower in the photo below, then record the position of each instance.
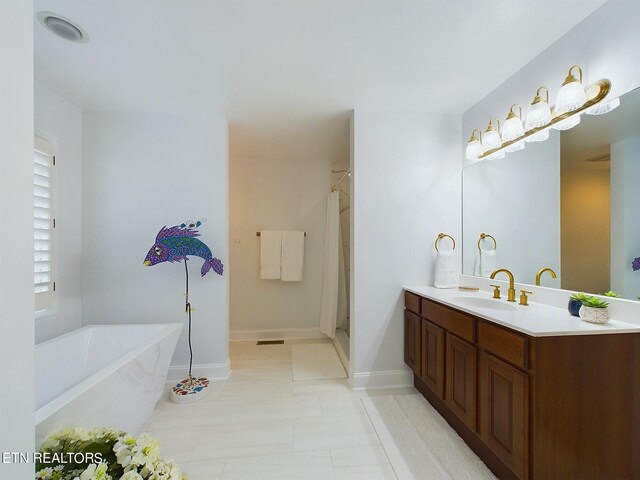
(96, 472)
(131, 475)
(44, 474)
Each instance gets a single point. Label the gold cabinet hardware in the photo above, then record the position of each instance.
(496, 291)
(524, 300)
(539, 274)
(511, 296)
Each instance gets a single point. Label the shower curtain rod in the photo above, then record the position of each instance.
(335, 187)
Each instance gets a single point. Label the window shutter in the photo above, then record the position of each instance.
(43, 223)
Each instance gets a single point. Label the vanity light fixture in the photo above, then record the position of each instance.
(568, 123)
(514, 147)
(541, 117)
(571, 95)
(491, 138)
(513, 127)
(603, 108)
(474, 146)
(540, 113)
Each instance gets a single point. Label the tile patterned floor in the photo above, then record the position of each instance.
(261, 425)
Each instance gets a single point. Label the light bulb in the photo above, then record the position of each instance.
(491, 138)
(514, 147)
(513, 127)
(571, 96)
(474, 147)
(567, 123)
(539, 113)
(602, 108)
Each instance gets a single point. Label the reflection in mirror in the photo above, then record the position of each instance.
(516, 200)
(571, 203)
(600, 201)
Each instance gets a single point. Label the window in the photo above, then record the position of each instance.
(43, 223)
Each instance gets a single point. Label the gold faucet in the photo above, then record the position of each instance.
(511, 296)
(539, 274)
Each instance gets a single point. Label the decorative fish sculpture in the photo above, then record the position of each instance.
(173, 244)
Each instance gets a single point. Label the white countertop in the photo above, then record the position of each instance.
(537, 320)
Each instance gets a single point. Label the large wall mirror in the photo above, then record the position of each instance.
(571, 204)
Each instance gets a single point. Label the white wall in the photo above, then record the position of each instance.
(140, 172)
(281, 193)
(60, 122)
(625, 217)
(521, 189)
(405, 190)
(16, 235)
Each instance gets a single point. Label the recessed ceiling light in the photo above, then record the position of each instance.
(63, 27)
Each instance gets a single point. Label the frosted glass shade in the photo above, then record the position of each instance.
(567, 123)
(490, 140)
(512, 129)
(570, 97)
(496, 155)
(539, 115)
(602, 108)
(515, 146)
(538, 137)
(474, 150)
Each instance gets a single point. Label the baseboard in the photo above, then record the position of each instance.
(386, 379)
(275, 334)
(213, 371)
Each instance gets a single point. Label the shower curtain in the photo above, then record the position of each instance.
(333, 290)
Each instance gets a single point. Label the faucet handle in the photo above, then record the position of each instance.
(524, 300)
(496, 291)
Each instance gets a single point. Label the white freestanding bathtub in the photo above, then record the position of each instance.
(102, 376)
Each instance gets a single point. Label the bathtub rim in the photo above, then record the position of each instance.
(51, 407)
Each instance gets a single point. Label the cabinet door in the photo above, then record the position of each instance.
(432, 357)
(504, 412)
(412, 341)
(461, 379)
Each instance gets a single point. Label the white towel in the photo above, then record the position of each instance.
(445, 274)
(292, 256)
(270, 254)
(488, 262)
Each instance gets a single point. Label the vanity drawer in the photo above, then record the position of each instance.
(412, 302)
(510, 346)
(458, 323)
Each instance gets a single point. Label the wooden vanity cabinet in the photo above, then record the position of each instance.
(432, 353)
(565, 407)
(412, 332)
(460, 383)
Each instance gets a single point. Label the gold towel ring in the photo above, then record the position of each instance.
(440, 237)
(486, 235)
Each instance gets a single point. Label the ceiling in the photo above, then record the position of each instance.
(273, 66)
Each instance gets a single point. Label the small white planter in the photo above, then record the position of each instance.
(594, 315)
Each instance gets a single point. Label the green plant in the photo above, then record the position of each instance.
(612, 294)
(594, 302)
(580, 297)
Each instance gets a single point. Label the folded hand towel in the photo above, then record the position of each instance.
(292, 256)
(488, 262)
(270, 254)
(445, 273)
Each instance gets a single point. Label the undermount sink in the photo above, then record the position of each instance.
(488, 303)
